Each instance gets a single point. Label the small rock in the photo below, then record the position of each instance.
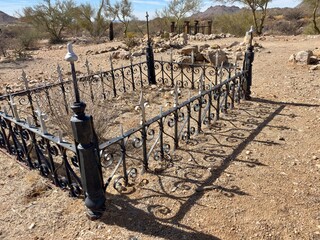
(32, 225)
(315, 157)
(248, 152)
(313, 68)
(281, 139)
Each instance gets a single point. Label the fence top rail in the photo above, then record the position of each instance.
(38, 132)
(170, 111)
(42, 86)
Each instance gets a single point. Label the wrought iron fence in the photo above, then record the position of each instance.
(147, 147)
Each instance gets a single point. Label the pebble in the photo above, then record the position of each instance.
(315, 157)
(32, 225)
(248, 152)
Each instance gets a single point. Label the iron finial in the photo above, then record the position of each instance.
(70, 56)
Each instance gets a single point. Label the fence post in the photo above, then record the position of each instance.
(86, 143)
(111, 34)
(209, 27)
(172, 27)
(248, 60)
(150, 57)
(196, 26)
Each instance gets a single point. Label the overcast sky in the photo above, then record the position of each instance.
(140, 7)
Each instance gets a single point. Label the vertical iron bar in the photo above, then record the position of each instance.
(123, 79)
(61, 83)
(144, 147)
(192, 77)
(132, 75)
(199, 114)
(51, 162)
(218, 104)
(102, 86)
(6, 138)
(25, 148)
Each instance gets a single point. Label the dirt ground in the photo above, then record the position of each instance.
(255, 175)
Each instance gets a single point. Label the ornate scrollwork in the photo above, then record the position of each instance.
(75, 161)
(196, 107)
(150, 134)
(63, 182)
(166, 148)
(44, 170)
(107, 160)
(132, 173)
(137, 142)
(119, 184)
(180, 116)
(54, 150)
(171, 122)
(75, 190)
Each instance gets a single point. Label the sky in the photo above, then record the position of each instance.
(13, 7)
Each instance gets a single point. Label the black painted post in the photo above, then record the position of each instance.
(111, 34)
(248, 60)
(89, 161)
(150, 57)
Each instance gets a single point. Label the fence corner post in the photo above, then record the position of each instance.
(88, 154)
(248, 60)
(150, 57)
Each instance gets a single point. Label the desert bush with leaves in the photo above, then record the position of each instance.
(236, 23)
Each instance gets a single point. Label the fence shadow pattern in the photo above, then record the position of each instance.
(148, 147)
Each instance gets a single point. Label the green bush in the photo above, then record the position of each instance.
(309, 29)
(237, 23)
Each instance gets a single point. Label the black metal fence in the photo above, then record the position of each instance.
(147, 147)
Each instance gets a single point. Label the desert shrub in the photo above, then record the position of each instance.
(293, 14)
(284, 27)
(309, 28)
(27, 37)
(237, 23)
(131, 40)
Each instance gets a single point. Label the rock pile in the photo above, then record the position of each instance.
(307, 58)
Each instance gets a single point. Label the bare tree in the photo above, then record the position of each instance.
(121, 10)
(258, 9)
(92, 20)
(178, 9)
(314, 5)
(52, 18)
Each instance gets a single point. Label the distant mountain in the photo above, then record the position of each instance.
(215, 11)
(5, 18)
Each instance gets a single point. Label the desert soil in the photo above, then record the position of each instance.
(254, 175)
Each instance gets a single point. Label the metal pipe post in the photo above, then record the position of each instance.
(87, 150)
(150, 57)
(249, 58)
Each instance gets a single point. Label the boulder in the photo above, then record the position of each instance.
(215, 57)
(292, 58)
(303, 57)
(182, 59)
(203, 47)
(186, 51)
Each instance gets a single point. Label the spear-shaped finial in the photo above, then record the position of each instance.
(221, 72)
(41, 117)
(87, 65)
(110, 60)
(59, 71)
(25, 79)
(142, 106)
(14, 108)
